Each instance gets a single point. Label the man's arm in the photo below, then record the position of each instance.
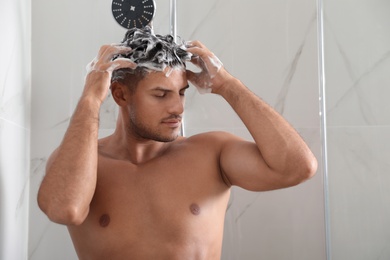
(279, 158)
(69, 184)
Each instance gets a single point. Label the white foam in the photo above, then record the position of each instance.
(154, 52)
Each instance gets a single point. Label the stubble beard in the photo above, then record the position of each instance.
(142, 131)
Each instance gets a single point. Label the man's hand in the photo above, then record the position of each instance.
(212, 75)
(100, 70)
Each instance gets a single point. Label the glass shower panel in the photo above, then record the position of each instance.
(271, 46)
(63, 43)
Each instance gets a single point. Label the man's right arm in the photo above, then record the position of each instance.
(69, 184)
(71, 171)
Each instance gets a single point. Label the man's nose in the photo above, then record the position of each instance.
(176, 105)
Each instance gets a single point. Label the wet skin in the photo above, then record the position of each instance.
(168, 206)
(171, 207)
(145, 193)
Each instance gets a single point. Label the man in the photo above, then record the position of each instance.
(145, 192)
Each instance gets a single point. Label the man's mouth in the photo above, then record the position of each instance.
(172, 122)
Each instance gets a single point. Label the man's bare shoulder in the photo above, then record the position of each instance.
(212, 142)
(212, 138)
(206, 138)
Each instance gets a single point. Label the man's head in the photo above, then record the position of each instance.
(151, 53)
(151, 96)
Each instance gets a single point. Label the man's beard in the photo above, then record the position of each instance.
(142, 131)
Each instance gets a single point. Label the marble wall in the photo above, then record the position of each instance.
(357, 66)
(15, 85)
(270, 45)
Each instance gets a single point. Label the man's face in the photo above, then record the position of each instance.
(156, 107)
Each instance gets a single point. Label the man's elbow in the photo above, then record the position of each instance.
(65, 215)
(306, 170)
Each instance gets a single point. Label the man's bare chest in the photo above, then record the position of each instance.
(164, 192)
(173, 201)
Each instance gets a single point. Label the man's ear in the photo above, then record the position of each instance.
(119, 92)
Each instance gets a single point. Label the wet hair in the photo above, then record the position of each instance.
(151, 53)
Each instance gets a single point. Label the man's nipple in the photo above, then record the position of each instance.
(195, 209)
(104, 220)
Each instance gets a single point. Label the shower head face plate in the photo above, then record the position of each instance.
(133, 13)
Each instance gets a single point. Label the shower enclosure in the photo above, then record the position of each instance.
(272, 46)
(323, 64)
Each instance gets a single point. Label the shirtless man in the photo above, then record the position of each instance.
(145, 192)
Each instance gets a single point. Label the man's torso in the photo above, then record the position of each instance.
(171, 207)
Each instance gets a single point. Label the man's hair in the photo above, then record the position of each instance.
(151, 53)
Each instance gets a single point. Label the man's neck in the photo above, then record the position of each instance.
(135, 150)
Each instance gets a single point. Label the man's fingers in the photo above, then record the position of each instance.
(91, 65)
(196, 51)
(191, 44)
(194, 78)
(123, 50)
(197, 61)
(203, 58)
(107, 52)
(104, 59)
(190, 75)
(122, 63)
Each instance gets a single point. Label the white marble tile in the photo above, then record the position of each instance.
(15, 63)
(14, 127)
(357, 79)
(47, 240)
(277, 57)
(277, 62)
(359, 195)
(357, 62)
(364, 102)
(282, 224)
(43, 238)
(14, 189)
(54, 243)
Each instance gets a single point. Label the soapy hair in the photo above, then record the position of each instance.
(151, 53)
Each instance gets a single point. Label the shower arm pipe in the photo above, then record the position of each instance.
(172, 24)
(173, 29)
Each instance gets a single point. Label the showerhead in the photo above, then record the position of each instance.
(133, 13)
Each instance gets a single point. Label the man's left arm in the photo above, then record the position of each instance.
(279, 157)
